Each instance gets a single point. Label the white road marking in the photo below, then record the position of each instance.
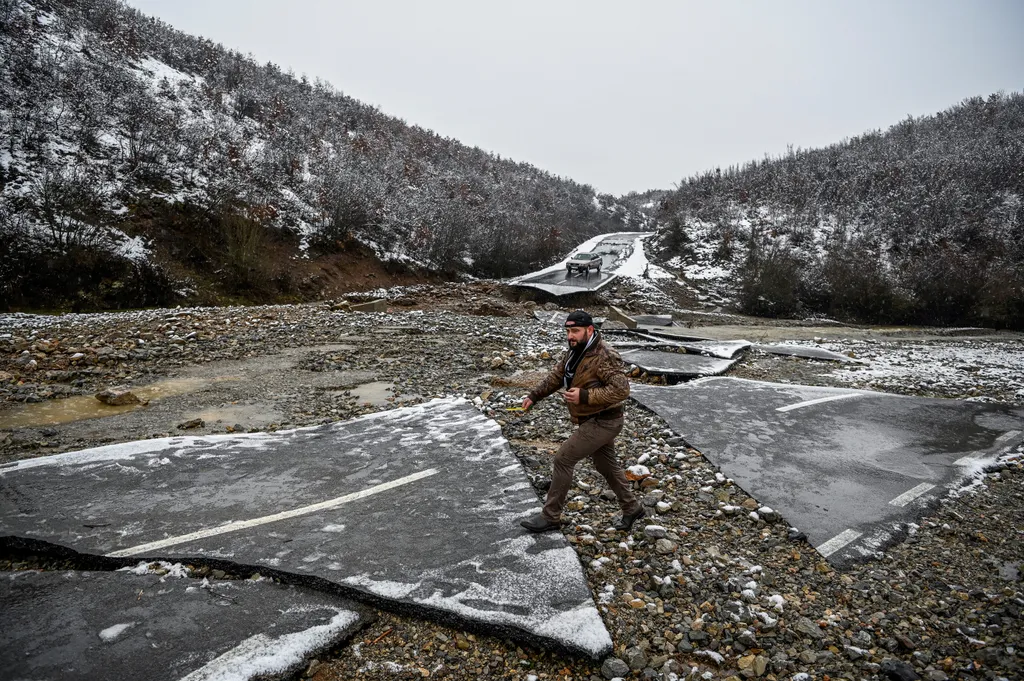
(837, 542)
(283, 515)
(1008, 435)
(911, 494)
(808, 403)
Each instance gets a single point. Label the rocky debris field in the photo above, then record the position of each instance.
(710, 585)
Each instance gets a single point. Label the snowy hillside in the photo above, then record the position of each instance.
(140, 164)
(922, 223)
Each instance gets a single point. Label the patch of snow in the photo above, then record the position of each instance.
(112, 632)
(133, 248)
(715, 657)
(159, 567)
(263, 655)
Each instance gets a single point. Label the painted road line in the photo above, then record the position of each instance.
(969, 459)
(284, 515)
(1008, 435)
(837, 542)
(808, 403)
(911, 494)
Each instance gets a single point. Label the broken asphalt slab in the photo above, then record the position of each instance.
(562, 283)
(677, 333)
(804, 352)
(849, 468)
(138, 625)
(724, 349)
(416, 509)
(685, 365)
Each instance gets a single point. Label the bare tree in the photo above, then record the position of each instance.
(68, 205)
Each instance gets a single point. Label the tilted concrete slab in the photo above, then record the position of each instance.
(648, 321)
(617, 315)
(850, 468)
(417, 508)
(679, 333)
(677, 363)
(726, 349)
(805, 352)
(118, 625)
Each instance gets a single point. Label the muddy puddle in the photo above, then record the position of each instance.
(82, 407)
(375, 393)
(248, 416)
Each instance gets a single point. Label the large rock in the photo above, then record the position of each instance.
(809, 628)
(117, 397)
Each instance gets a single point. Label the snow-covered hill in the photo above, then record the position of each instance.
(921, 223)
(155, 151)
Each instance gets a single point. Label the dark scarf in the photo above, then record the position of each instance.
(572, 362)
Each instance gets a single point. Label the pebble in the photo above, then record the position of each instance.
(613, 668)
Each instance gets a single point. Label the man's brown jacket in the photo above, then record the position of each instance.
(599, 377)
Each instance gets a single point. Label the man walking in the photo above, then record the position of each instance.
(591, 375)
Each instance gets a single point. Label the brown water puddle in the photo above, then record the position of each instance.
(247, 415)
(375, 393)
(83, 407)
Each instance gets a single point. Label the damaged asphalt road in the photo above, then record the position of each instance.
(692, 589)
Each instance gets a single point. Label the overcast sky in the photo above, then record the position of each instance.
(632, 95)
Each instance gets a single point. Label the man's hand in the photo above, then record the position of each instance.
(527, 403)
(572, 395)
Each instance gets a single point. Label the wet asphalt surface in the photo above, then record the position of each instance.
(163, 625)
(847, 468)
(419, 505)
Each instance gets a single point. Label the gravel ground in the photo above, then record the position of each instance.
(690, 593)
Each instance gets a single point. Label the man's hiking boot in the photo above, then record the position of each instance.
(539, 523)
(625, 523)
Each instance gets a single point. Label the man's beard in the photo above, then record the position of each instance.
(574, 343)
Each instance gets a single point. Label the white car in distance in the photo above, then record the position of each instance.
(584, 262)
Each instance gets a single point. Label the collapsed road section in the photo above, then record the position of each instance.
(162, 625)
(613, 250)
(849, 468)
(415, 508)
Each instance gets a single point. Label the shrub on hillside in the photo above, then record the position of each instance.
(245, 253)
(81, 278)
(855, 283)
(770, 281)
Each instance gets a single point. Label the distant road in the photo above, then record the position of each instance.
(614, 250)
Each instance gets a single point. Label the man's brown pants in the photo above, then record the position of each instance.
(594, 438)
